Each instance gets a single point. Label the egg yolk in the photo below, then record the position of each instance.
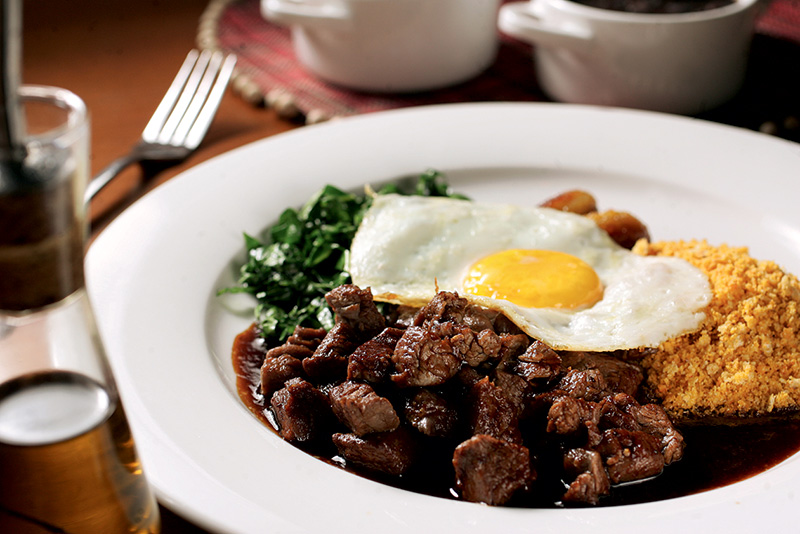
(535, 279)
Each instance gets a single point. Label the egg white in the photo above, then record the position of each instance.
(409, 247)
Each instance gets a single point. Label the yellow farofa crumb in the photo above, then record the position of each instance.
(745, 359)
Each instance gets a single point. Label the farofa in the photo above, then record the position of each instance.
(744, 360)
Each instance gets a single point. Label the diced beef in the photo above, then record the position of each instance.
(431, 414)
(307, 337)
(515, 388)
(650, 418)
(568, 415)
(479, 319)
(276, 371)
(421, 358)
(572, 416)
(619, 376)
(473, 348)
(402, 316)
(448, 307)
(430, 355)
(593, 434)
(297, 352)
(630, 455)
(468, 377)
(539, 403)
(354, 306)
(491, 470)
(372, 361)
(586, 384)
(491, 412)
(511, 346)
(392, 453)
(617, 416)
(504, 325)
(361, 409)
(464, 370)
(301, 411)
(589, 478)
(329, 362)
(655, 420)
(443, 307)
(301, 344)
(539, 364)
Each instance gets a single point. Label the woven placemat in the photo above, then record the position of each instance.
(267, 72)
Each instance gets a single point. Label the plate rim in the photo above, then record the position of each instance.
(105, 273)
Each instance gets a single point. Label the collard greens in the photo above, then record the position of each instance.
(304, 254)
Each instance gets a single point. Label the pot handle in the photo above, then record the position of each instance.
(322, 14)
(518, 20)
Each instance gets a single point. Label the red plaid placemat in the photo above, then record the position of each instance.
(267, 71)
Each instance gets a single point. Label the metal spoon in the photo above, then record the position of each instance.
(11, 118)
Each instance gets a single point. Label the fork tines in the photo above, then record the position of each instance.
(187, 109)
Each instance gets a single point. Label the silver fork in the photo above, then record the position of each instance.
(182, 118)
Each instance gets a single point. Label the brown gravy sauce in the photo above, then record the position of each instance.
(716, 455)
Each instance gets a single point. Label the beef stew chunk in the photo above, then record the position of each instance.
(512, 345)
(623, 411)
(444, 307)
(458, 380)
(588, 384)
(301, 411)
(589, 478)
(329, 362)
(354, 306)
(618, 375)
(372, 361)
(433, 354)
(306, 337)
(431, 414)
(569, 416)
(491, 470)
(515, 389)
(284, 362)
(361, 409)
(539, 364)
(492, 413)
(630, 455)
(392, 453)
(277, 371)
(423, 358)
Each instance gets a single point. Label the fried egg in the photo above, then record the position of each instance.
(558, 276)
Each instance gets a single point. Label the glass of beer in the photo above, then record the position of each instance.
(68, 462)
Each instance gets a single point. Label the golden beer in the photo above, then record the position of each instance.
(68, 463)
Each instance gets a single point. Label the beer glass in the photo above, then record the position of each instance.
(68, 462)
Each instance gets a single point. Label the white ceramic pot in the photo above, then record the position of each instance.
(679, 63)
(390, 45)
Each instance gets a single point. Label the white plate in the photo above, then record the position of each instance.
(154, 272)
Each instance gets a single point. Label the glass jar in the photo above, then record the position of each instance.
(68, 462)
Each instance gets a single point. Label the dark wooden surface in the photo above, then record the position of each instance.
(120, 57)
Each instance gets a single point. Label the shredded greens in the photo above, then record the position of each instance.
(304, 254)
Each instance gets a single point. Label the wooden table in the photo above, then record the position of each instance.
(120, 57)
